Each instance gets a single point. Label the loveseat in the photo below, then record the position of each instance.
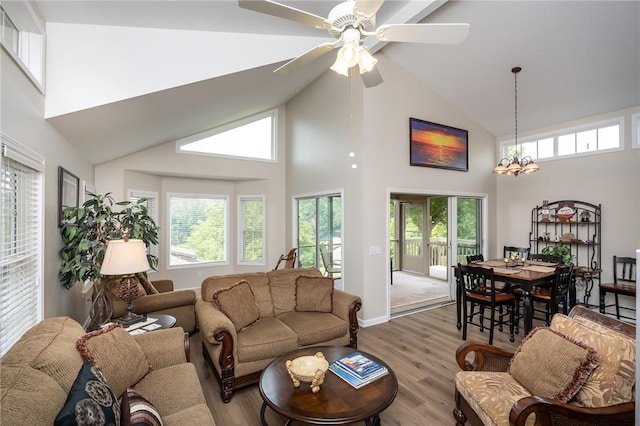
(43, 376)
(247, 320)
(579, 370)
(157, 297)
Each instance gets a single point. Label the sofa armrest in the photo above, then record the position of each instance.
(160, 301)
(343, 303)
(164, 348)
(486, 358)
(212, 322)
(163, 286)
(549, 411)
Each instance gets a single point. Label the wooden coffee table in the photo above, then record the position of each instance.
(336, 403)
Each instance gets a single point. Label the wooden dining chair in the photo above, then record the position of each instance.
(508, 250)
(474, 258)
(624, 283)
(289, 259)
(479, 288)
(555, 294)
(545, 257)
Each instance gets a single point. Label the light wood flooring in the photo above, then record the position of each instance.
(420, 348)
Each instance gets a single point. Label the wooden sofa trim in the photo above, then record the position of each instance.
(227, 379)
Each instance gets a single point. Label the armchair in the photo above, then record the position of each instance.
(486, 392)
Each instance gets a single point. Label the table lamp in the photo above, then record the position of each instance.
(126, 257)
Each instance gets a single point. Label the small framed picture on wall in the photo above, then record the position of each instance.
(68, 191)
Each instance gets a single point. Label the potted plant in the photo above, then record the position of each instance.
(563, 252)
(86, 231)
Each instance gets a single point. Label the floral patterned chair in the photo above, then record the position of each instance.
(579, 370)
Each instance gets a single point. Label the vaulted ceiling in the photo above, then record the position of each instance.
(579, 58)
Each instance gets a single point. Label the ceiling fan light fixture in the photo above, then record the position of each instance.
(340, 67)
(366, 61)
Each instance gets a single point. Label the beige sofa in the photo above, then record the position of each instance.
(578, 371)
(160, 299)
(267, 315)
(38, 372)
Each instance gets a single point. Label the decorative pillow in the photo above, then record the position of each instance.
(238, 303)
(90, 401)
(138, 411)
(146, 284)
(614, 379)
(552, 365)
(314, 294)
(117, 354)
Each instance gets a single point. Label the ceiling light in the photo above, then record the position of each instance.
(351, 53)
(366, 61)
(515, 166)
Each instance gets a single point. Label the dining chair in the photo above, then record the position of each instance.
(289, 259)
(545, 257)
(624, 283)
(508, 250)
(331, 265)
(554, 294)
(474, 258)
(479, 288)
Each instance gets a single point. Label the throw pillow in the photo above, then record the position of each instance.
(314, 294)
(614, 379)
(238, 303)
(552, 365)
(90, 401)
(138, 411)
(117, 354)
(146, 284)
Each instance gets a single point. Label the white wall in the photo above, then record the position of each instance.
(161, 169)
(22, 119)
(318, 137)
(612, 180)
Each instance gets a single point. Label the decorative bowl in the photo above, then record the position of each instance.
(311, 368)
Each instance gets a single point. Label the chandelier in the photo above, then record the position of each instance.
(515, 166)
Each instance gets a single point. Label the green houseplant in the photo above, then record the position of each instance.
(86, 231)
(561, 251)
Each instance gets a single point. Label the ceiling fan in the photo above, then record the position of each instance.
(351, 22)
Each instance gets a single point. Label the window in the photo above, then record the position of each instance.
(151, 202)
(251, 230)
(197, 229)
(595, 138)
(21, 248)
(635, 130)
(22, 35)
(252, 138)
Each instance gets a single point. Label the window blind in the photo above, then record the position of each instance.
(20, 249)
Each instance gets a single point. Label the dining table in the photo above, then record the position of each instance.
(525, 275)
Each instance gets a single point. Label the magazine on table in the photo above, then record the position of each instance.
(350, 378)
(360, 366)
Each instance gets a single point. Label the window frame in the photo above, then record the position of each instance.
(504, 146)
(153, 212)
(224, 198)
(635, 130)
(240, 240)
(273, 113)
(27, 158)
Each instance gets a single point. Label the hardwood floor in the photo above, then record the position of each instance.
(420, 348)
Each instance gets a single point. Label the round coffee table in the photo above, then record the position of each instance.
(336, 403)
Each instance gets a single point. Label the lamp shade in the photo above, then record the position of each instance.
(124, 257)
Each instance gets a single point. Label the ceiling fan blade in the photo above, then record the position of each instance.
(306, 57)
(424, 33)
(371, 78)
(287, 12)
(368, 7)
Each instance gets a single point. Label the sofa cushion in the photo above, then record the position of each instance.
(314, 294)
(491, 395)
(90, 402)
(238, 303)
(258, 281)
(137, 411)
(117, 354)
(282, 283)
(197, 415)
(314, 327)
(559, 376)
(266, 339)
(614, 379)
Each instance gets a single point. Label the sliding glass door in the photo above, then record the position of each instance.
(319, 230)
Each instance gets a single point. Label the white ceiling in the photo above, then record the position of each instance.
(579, 58)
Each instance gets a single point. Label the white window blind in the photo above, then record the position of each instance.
(251, 230)
(152, 210)
(21, 246)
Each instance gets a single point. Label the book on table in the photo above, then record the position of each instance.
(360, 366)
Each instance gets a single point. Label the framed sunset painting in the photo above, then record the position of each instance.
(437, 145)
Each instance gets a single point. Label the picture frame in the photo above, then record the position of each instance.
(68, 191)
(438, 145)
